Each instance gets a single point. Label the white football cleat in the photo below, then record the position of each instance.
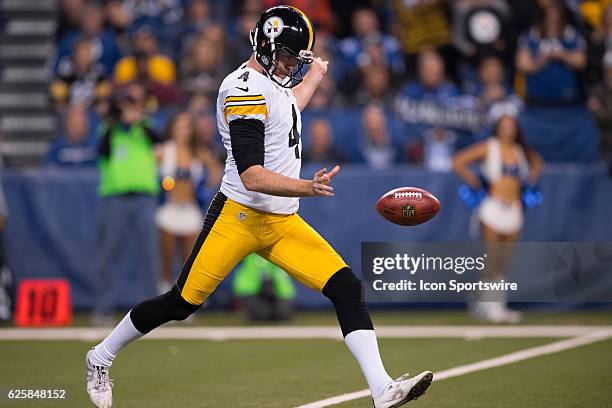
(403, 390)
(510, 316)
(495, 312)
(99, 385)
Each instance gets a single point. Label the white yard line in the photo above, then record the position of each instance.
(302, 332)
(514, 357)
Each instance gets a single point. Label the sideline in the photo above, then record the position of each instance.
(302, 332)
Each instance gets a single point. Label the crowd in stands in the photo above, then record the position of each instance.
(410, 81)
(134, 85)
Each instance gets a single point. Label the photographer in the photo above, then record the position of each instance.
(128, 190)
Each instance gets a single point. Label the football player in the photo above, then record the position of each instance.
(258, 116)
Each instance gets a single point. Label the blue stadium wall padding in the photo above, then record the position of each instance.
(561, 134)
(51, 229)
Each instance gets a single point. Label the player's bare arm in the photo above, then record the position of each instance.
(261, 180)
(304, 91)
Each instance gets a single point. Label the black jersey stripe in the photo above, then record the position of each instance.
(214, 210)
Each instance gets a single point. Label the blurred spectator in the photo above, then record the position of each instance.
(198, 18)
(145, 45)
(600, 104)
(215, 33)
(326, 48)
(119, 19)
(492, 86)
(438, 149)
(162, 12)
(73, 147)
(321, 149)
(207, 138)
(203, 69)
(240, 42)
(325, 97)
(164, 16)
(318, 11)
(264, 290)
(551, 56)
(524, 13)
(252, 7)
(367, 34)
(376, 87)
(374, 75)
(83, 81)
(156, 71)
(343, 11)
(434, 150)
(590, 17)
(376, 148)
(432, 84)
(128, 190)
(69, 17)
(200, 103)
(596, 13)
(606, 27)
(198, 15)
(421, 24)
(435, 102)
(91, 26)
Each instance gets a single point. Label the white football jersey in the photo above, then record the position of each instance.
(248, 94)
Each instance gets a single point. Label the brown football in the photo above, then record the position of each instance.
(408, 206)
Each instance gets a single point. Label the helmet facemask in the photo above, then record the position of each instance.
(293, 76)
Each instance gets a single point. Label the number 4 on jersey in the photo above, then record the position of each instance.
(294, 134)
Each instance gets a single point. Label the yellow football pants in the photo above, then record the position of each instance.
(232, 231)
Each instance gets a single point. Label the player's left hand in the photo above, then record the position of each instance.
(321, 180)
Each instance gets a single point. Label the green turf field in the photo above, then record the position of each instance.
(289, 373)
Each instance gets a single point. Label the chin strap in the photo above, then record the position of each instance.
(252, 37)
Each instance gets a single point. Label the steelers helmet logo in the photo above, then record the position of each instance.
(273, 27)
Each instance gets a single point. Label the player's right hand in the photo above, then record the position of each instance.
(321, 180)
(319, 67)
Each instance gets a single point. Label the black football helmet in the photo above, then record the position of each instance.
(283, 29)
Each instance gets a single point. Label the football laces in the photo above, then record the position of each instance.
(409, 194)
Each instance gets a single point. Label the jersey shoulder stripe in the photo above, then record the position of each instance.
(244, 98)
(259, 112)
(245, 107)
